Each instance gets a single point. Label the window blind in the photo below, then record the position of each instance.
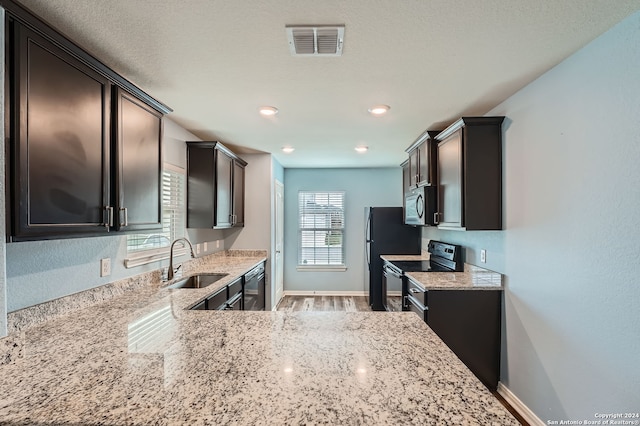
(321, 228)
(173, 215)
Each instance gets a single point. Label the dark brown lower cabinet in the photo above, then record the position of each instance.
(468, 321)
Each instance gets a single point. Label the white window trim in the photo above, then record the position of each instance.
(325, 268)
(144, 257)
(321, 268)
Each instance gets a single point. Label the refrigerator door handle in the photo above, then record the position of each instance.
(367, 240)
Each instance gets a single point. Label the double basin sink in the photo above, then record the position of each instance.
(197, 281)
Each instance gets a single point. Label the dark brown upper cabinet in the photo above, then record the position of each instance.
(83, 143)
(60, 139)
(422, 160)
(138, 164)
(215, 186)
(469, 178)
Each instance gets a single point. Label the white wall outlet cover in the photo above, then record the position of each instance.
(105, 267)
(197, 248)
(483, 256)
(205, 245)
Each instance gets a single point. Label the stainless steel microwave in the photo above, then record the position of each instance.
(420, 206)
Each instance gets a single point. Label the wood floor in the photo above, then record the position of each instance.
(332, 303)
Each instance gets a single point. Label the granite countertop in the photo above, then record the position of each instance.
(472, 278)
(141, 358)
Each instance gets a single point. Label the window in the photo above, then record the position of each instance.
(321, 232)
(145, 248)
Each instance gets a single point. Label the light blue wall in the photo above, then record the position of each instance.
(363, 187)
(571, 245)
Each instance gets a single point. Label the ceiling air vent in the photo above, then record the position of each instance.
(323, 40)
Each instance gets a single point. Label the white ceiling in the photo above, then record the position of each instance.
(216, 61)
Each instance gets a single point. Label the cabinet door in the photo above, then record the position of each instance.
(469, 323)
(200, 191)
(406, 177)
(61, 138)
(414, 177)
(138, 183)
(426, 153)
(450, 202)
(238, 194)
(224, 190)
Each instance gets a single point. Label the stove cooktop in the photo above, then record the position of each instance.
(419, 266)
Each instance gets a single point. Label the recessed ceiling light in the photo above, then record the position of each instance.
(379, 110)
(362, 148)
(288, 149)
(268, 111)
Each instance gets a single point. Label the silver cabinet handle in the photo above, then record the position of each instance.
(124, 213)
(108, 216)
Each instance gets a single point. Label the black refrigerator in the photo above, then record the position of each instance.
(385, 233)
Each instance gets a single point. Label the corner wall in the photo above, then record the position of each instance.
(571, 245)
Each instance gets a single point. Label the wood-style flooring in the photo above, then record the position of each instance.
(332, 303)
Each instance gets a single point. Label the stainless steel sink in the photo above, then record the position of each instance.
(197, 281)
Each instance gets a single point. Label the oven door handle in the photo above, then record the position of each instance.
(416, 303)
(390, 271)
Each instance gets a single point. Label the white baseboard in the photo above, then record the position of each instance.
(324, 293)
(519, 406)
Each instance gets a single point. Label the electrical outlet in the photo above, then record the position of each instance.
(205, 245)
(483, 256)
(217, 243)
(197, 248)
(105, 267)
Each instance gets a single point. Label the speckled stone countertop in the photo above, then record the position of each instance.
(472, 278)
(142, 359)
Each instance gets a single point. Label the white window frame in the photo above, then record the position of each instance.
(173, 206)
(322, 267)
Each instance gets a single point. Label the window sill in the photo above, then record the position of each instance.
(321, 268)
(150, 256)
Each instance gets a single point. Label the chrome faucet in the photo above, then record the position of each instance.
(170, 272)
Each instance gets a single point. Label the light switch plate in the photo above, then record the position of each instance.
(105, 267)
(205, 246)
(483, 256)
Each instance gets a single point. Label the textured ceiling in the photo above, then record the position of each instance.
(216, 61)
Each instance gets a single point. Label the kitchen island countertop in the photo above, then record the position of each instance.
(93, 366)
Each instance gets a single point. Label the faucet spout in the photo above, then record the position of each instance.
(170, 272)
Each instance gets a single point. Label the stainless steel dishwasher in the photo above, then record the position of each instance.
(254, 289)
